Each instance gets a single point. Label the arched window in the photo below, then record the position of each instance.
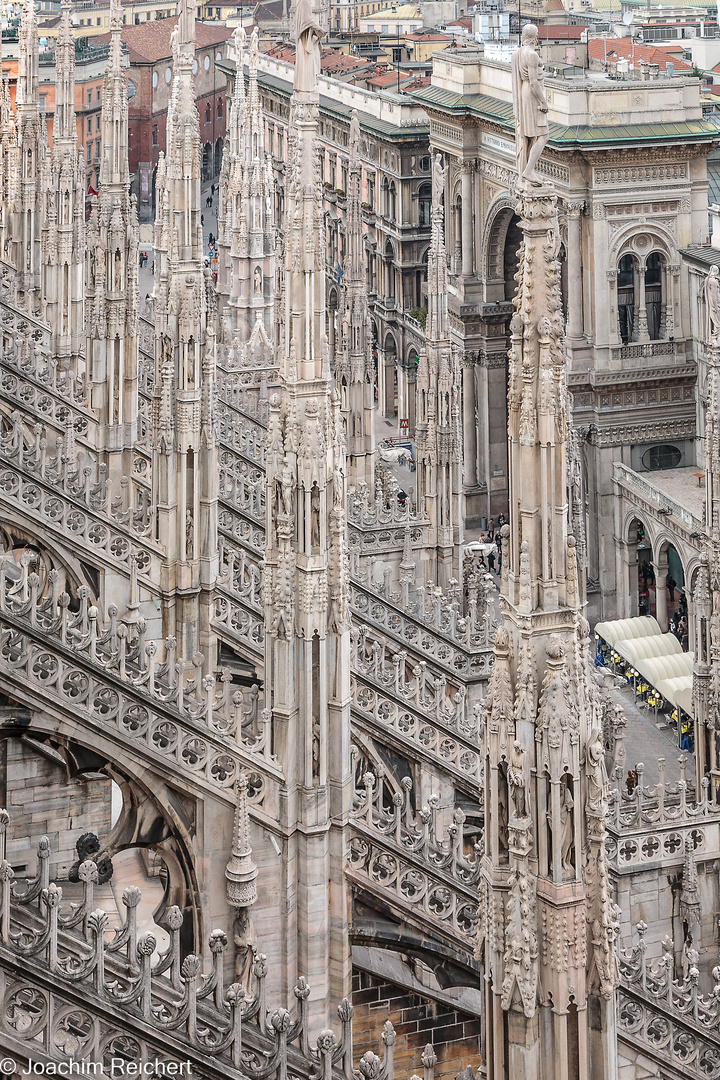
(654, 295)
(390, 271)
(424, 204)
(626, 297)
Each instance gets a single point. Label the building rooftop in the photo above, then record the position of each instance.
(389, 79)
(584, 112)
(396, 14)
(150, 42)
(681, 485)
(388, 115)
(426, 33)
(561, 33)
(613, 49)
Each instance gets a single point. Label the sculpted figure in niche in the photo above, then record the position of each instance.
(258, 280)
(596, 773)
(567, 832)
(308, 35)
(315, 519)
(712, 303)
(288, 483)
(516, 779)
(530, 106)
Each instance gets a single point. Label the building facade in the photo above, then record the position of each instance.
(396, 199)
(630, 200)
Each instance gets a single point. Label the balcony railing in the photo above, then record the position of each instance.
(638, 485)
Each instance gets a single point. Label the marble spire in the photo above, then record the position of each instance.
(112, 291)
(706, 583)
(23, 213)
(64, 122)
(28, 59)
(548, 926)
(354, 368)
(63, 238)
(184, 441)
(439, 437)
(246, 218)
(306, 576)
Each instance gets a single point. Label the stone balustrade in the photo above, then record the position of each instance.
(416, 833)
(399, 855)
(648, 828)
(141, 1005)
(240, 438)
(431, 622)
(71, 491)
(668, 1016)
(243, 487)
(113, 676)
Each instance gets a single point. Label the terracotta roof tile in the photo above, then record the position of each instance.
(625, 49)
(150, 42)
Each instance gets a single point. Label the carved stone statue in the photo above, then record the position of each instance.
(567, 831)
(244, 941)
(712, 304)
(315, 518)
(597, 778)
(308, 35)
(530, 106)
(258, 280)
(354, 140)
(516, 779)
(438, 181)
(239, 40)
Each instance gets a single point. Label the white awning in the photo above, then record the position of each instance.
(658, 658)
(627, 629)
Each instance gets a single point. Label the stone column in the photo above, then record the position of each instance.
(331, 334)
(469, 428)
(640, 310)
(626, 598)
(467, 236)
(673, 327)
(483, 428)
(661, 570)
(614, 328)
(574, 270)
(381, 381)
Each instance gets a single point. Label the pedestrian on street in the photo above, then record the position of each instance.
(212, 189)
(671, 583)
(491, 562)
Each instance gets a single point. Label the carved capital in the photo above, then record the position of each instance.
(574, 207)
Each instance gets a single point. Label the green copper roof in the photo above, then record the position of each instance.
(500, 112)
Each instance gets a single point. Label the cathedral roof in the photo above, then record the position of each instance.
(150, 42)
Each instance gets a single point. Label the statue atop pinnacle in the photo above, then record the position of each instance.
(530, 107)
